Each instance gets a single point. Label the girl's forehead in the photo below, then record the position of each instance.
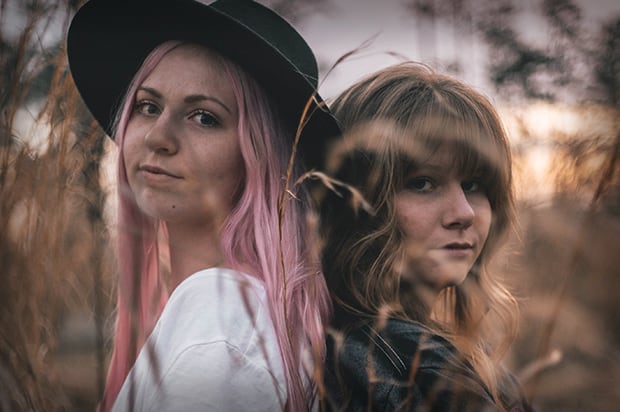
(448, 157)
(430, 150)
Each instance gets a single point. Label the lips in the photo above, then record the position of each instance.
(459, 246)
(459, 250)
(154, 170)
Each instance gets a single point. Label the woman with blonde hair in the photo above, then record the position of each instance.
(422, 197)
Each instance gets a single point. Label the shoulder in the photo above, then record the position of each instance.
(402, 365)
(511, 393)
(212, 305)
(219, 283)
(204, 376)
(215, 333)
(396, 346)
(218, 376)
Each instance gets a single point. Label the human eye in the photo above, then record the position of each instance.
(205, 118)
(472, 186)
(421, 184)
(146, 107)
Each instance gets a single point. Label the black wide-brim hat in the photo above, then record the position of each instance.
(109, 39)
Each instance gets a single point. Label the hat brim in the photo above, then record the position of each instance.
(109, 39)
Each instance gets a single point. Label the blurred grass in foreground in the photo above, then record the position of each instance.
(57, 265)
(54, 252)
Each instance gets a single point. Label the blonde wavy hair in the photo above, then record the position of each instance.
(394, 120)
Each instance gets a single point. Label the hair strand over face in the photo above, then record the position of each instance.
(393, 121)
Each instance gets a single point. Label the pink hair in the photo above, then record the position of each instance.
(141, 293)
(250, 237)
(301, 314)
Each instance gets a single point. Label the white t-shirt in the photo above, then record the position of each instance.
(213, 349)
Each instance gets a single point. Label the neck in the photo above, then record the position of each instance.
(419, 299)
(427, 296)
(192, 249)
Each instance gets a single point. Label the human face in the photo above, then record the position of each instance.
(445, 219)
(181, 146)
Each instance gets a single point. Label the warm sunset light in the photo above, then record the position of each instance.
(548, 67)
(559, 148)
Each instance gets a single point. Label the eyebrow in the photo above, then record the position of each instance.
(193, 98)
(433, 167)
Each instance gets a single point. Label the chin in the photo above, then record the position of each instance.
(440, 275)
(452, 279)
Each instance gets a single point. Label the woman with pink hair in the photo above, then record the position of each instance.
(214, 100)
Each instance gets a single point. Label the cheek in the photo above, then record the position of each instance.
(415, 220)
(129, 155)
(224, 162)
(484, 217)
(130, 143)
(221, 170)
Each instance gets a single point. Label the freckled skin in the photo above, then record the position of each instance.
(181, 147)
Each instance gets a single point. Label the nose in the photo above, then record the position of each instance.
(161, 137)
(458, 212)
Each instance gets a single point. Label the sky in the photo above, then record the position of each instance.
(396, 35)
(393, 32)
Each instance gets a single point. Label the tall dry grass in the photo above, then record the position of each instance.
(54, 252)
(57, 266)
(564, 261)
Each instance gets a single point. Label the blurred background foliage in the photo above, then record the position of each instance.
(560, 102)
